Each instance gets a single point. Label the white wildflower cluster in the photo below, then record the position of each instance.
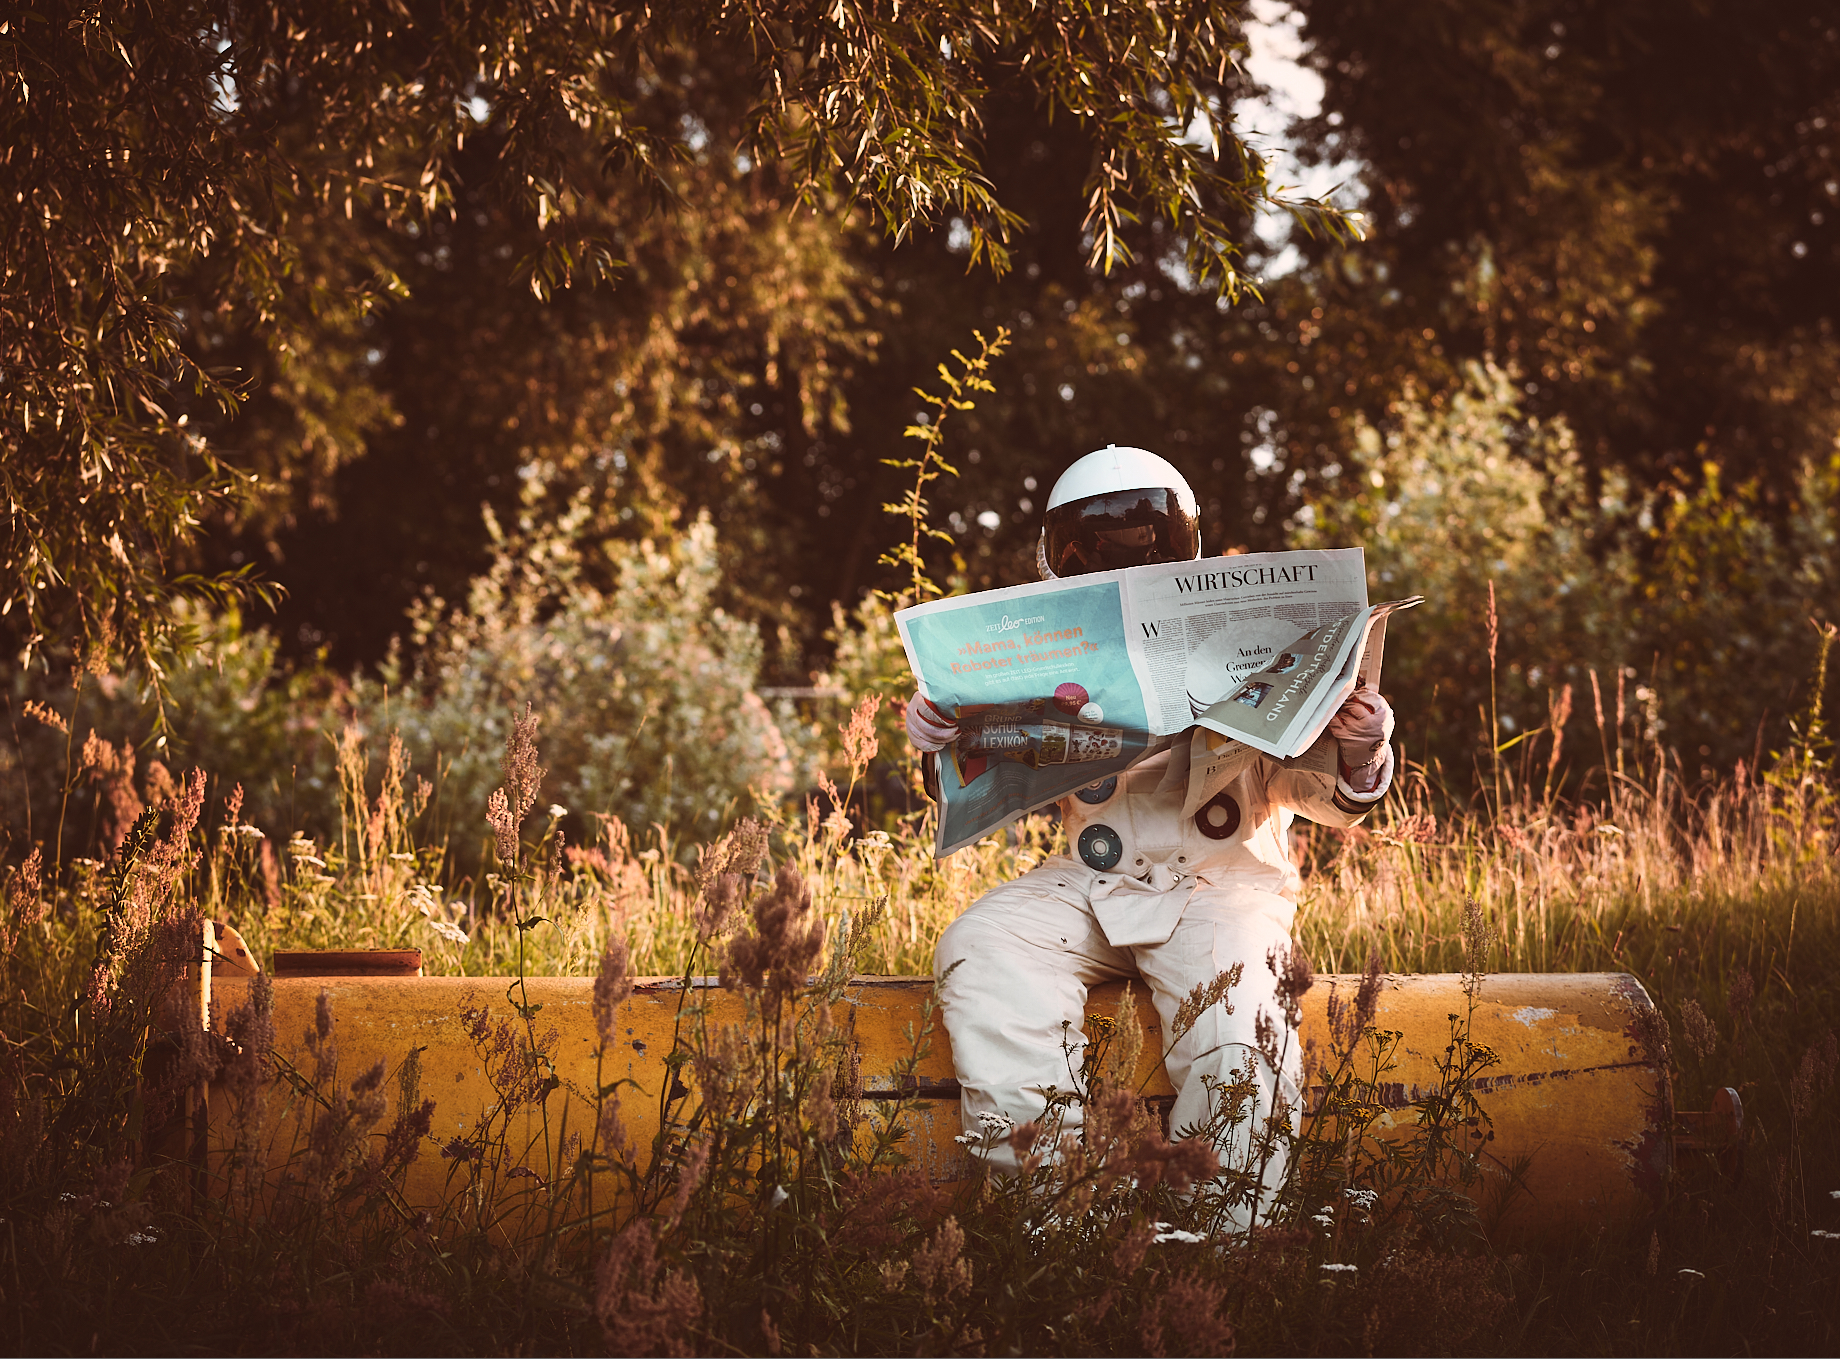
(146, 1236)
(429, 904)
(995, 1125)
(453, 934)
(1166, 1233)
(1341, 1269)
(1325, 1220)
(1820, 1235)
(1364, 1200)
(252, 832)
(302, 851)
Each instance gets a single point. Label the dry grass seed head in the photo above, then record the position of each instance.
(860, 743)
(1126, 1048)
(778, 954)
(642, 1307)
(507, 807)
(1186, 1315)
(1204, 998)
(1701, 1036)
(613, 984)
(1815, 1077)
(1291, 966)
(940, 1267)
(1478, 940)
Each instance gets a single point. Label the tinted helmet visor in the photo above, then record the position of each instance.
(1122, 528)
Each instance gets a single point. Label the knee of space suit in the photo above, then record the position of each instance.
(973, 945)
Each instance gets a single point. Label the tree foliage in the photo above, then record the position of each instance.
(182, 171)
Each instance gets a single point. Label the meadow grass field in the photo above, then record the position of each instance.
(1721, 900)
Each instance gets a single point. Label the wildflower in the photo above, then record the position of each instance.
(452, 933)
(1166, 1234)
(968, 1139)
(1833, 1193)
(1820, 1235)
(253, 832)
(557, 811)
(1363, 1199)
(1324, 1220)
(1341, 1269)
(996, 1124)
(146, 1236)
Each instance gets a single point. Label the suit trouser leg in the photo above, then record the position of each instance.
(1215, 933)
(1014, 971)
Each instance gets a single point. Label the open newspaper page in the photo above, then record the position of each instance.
(1059, 685)
(1041, 682)
(1297, 694)
(1199, 631)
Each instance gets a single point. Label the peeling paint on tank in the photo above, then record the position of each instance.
(1532, 1014)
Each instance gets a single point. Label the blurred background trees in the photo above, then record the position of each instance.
(660, 284)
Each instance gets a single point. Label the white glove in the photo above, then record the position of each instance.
(927, 727)
(1363, 729)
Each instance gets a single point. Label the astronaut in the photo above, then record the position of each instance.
(1144, 893)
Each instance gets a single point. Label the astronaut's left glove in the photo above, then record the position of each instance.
(1363, 730)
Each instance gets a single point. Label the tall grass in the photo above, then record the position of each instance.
(1721, 900)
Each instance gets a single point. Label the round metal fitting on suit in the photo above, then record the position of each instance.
(1095, 793)
(1219, 818)
(1100, 848)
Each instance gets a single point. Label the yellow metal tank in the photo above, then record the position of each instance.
(1579, 1094)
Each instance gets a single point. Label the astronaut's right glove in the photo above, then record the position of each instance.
(927, 727)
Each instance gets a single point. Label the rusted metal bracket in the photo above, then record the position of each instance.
(1718, 1131)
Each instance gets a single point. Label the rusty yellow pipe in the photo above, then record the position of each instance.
(1578, 1094)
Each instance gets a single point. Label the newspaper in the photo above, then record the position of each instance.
(1060, 685)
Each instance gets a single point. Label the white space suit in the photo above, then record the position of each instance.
(1144, 893)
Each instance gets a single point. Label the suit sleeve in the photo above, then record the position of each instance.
(1326, 800)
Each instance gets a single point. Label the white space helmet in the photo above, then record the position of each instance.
(1117, 507)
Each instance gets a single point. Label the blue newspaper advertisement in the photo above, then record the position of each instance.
(1043, 688)
(1061, 685)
